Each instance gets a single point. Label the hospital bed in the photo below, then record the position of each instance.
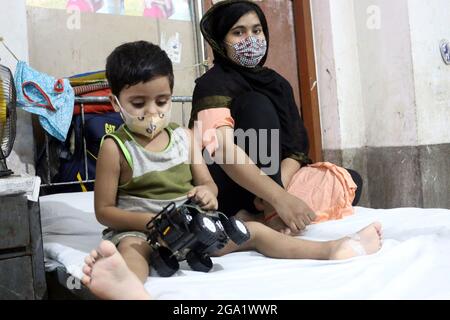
(414, 262)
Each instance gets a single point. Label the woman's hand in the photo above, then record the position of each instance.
(204, 197)
(295, 213)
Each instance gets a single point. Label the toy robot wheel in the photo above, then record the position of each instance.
(199, 262)
(205, 229)
(236, 230)
(164, 262)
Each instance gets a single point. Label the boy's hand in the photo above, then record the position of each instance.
(294, 212)
(204, 197)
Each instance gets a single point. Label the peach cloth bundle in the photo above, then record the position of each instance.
(326, 188)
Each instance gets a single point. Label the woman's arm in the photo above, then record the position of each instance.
(239, 167)
(289, 168)
(292, 210)
(105, 193)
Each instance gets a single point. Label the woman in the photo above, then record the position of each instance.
(239, 93)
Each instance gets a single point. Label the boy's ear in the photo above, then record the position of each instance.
(112, 99)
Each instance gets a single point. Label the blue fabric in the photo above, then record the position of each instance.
(95, 127)
(50, 98)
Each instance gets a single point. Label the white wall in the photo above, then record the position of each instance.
(326, 75)
(385, 85)
(74, 49)
(430, 22)
(339, 76)
(387, 78)
(348, 75)
(340, 95)
(13, 28)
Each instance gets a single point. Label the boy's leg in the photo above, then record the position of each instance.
(277, 245)
(136, 253)
(274, 244)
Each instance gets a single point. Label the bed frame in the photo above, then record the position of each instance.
(58, 279)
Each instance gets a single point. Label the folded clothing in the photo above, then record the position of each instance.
(95, 107)
(87, 78)
(87, 88)
(326, 188)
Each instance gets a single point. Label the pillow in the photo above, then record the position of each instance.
(69, 213)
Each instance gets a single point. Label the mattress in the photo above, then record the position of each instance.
(414, 262)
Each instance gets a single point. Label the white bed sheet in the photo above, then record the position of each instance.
(414, 262)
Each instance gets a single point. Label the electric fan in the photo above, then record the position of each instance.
(7, 117)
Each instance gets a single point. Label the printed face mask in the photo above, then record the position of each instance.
(149, 125)
(249, 51)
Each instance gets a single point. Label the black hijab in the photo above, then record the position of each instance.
(226, 80)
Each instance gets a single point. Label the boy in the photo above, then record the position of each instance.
(147, 163)
(144, 165)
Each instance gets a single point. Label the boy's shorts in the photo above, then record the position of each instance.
(116, 236)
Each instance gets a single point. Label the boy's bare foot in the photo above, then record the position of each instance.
(107, 275)
(366, 241)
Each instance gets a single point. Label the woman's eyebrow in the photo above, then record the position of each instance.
(237, 27)
(243, 27)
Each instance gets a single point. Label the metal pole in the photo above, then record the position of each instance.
(47, 156)
(199, 48)
(83, 131)
(105, 99)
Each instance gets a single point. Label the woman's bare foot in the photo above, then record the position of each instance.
(245, 216)
(107, 275)
(366, 241)
(259, 204)
(269, 217)
(277, 224)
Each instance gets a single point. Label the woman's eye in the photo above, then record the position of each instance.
(257, 31)
(161, 103)
(237, 33)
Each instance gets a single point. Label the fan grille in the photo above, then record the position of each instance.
(7, 111)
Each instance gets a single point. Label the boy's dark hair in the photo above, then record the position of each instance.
(135, 62)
